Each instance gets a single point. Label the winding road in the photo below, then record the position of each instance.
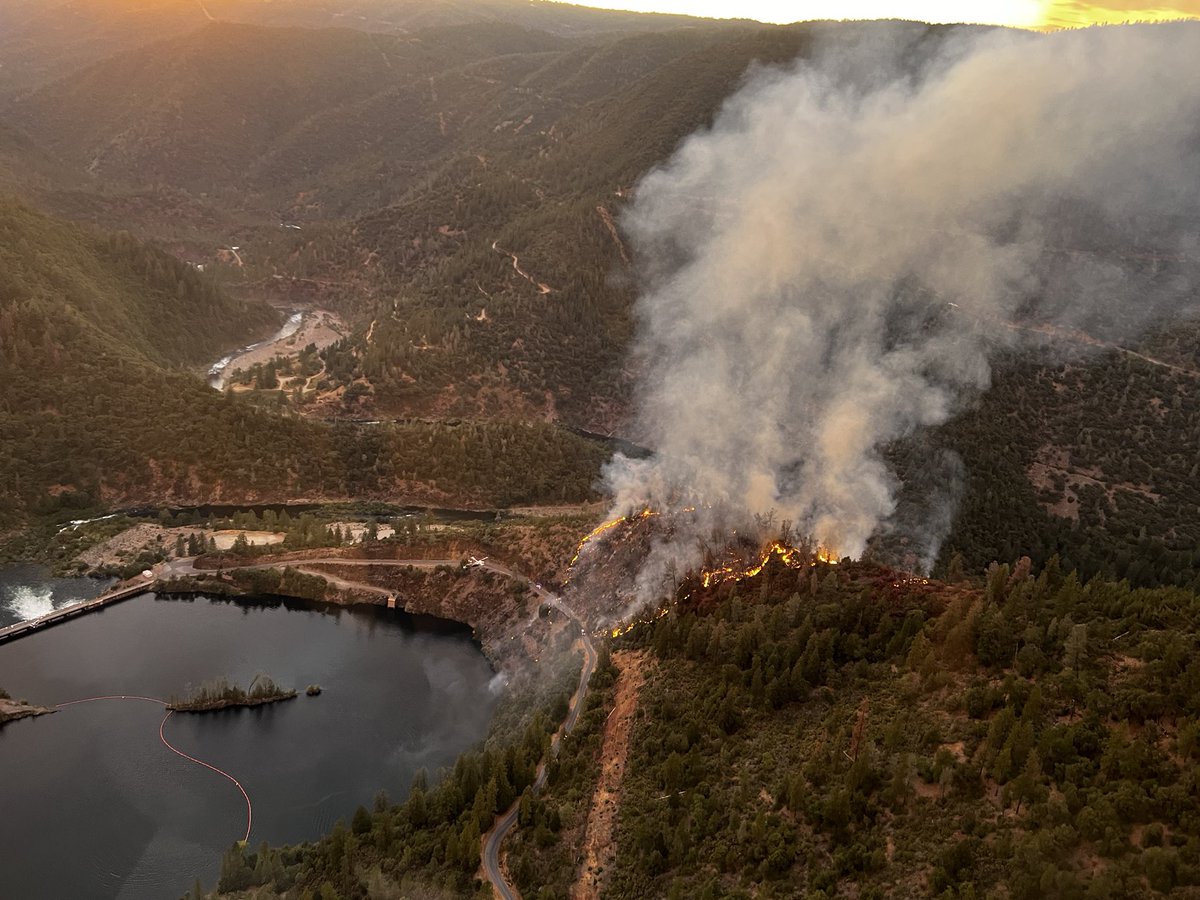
(516, 264)
(494, 839)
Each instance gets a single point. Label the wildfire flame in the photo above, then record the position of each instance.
(791, 557)
(605, 527)
(629, 626)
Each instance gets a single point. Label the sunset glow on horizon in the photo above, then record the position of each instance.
(1037, 14)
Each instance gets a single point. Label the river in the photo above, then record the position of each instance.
(216, 372)
(96, 806)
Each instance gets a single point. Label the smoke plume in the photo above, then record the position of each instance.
(830, 264)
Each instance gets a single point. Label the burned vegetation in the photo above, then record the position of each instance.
(853, 730)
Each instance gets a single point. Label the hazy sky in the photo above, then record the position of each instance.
(1023, 13)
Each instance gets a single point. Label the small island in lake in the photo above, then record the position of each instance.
(221, 694)
(11, 710)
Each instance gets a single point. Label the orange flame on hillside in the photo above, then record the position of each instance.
(792, 557)
(605, 527)
(629, 626)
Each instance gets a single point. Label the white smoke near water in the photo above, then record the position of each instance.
(829, 266)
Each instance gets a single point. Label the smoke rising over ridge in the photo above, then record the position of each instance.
(829, 266)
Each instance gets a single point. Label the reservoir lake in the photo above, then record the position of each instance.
(95, 804)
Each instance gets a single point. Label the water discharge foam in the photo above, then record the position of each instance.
(27, 602)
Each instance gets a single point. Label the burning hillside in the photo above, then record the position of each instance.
(606, 580)
(875, 242)
(607, 575)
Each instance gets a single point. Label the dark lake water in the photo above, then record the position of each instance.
(95, 806)
(29, 591)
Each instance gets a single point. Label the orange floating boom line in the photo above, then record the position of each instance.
(163, 738)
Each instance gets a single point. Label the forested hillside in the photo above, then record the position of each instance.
(514, 255)
(455, 189)
(1094, 460)
(838, 731)
(199, 111)
(854, 732)
(41, 40)
(65, 284)
(23, 165)
(511, 250)
(98, 408)
(459, 188)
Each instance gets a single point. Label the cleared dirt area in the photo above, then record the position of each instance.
(319, 326)
(120, 548)
(599, 848)
(226, 539)
(126, 545)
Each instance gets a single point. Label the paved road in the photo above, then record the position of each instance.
(184, 568)
(494, 839)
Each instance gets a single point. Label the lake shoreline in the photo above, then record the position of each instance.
(400, 700)
(229, 592)
(13, 710)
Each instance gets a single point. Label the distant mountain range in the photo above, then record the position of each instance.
(454, 174)
(42, 39)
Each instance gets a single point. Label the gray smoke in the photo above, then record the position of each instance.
(829, 266)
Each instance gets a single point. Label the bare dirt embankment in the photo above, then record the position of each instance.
(599, 846)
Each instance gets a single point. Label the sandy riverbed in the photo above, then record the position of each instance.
(319, 326)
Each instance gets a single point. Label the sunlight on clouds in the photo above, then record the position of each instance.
(1017, 13)
(1025, 13)
(1075, 14)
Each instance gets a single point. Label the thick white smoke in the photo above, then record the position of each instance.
(830, 264)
